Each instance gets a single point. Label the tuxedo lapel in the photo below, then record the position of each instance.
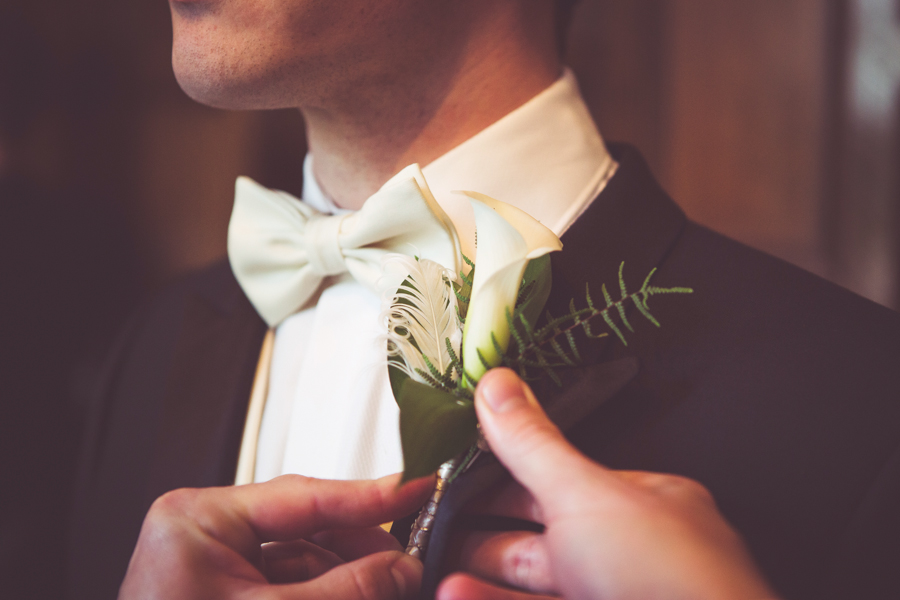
(631, 221)
(632, 224)
(168, 414)
(206, 397)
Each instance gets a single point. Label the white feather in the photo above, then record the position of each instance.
(422, 310)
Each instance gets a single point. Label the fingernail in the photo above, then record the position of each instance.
(504, 392)
(406, 573)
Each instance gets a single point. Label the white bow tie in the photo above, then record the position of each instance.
(281, 249)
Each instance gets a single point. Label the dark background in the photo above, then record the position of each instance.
(773, 121)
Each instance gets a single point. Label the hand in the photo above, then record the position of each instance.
(287, 538)
(610, 535)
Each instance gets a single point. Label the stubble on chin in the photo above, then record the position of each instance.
(313, 54)
(226, 63)
(229, 76)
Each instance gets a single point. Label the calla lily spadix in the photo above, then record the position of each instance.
(507, 238)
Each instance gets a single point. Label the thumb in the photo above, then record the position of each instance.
(528, 443)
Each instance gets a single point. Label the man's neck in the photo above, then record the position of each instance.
(390, 124)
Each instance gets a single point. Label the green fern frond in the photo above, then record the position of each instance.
(612, 325)
(587, 295)
(484, 362)
(647, 279)
(570, 337)
(606, 296)
(525, 293)
(553, 345)
(445, 378)
(673, 290)
(455, 363)
(517, 336)
(429, 379)
(622, 281)
(641, 304)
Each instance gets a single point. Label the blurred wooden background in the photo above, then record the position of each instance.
(772, 121)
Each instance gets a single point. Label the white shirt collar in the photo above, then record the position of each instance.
(314, 195)
(545, 157)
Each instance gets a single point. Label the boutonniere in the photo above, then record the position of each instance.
(446, 330)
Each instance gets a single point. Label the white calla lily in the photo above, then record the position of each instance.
(507, 238)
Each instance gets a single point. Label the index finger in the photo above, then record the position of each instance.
(292, 506)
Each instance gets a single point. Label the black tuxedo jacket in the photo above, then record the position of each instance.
(777, 390)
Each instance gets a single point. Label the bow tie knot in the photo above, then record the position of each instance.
(281, 249)
(323, 245)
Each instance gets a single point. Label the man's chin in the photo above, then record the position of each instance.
(210, 94)
(209, 87)
(214, 78)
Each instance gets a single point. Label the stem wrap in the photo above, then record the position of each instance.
(421, 528)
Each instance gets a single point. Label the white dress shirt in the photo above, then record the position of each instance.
(329, 410)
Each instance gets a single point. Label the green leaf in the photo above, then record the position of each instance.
(397, 378)
(538, 275)
(435, 426)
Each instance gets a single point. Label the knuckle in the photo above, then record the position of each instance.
(174, 501)
(687, 488)
(647, 479)
(292, 479)
(694, 487)
(169, 515)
